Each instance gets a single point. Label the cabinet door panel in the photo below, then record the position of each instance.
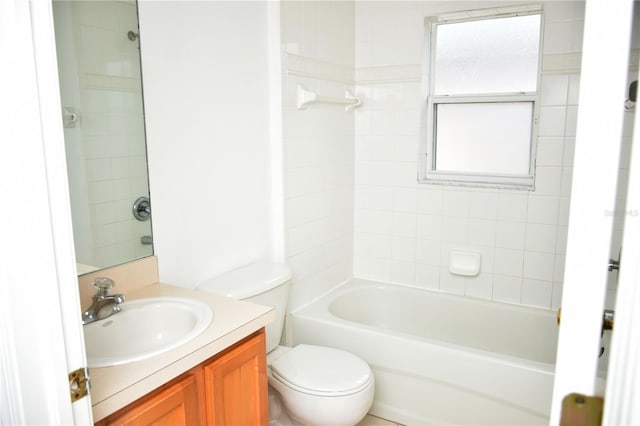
(173, 405)
(236, 385)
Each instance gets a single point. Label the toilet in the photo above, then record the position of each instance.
(317, 385)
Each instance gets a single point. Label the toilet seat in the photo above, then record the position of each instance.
(322, 371)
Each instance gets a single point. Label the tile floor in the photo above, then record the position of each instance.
(370, 420)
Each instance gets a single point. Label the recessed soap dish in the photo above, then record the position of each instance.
(464, 263)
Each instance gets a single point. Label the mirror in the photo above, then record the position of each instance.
(101, 92)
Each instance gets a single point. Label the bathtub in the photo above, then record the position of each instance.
(437, 358)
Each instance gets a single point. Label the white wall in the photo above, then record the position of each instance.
(206, 101)
(404, 232)
(318, 43)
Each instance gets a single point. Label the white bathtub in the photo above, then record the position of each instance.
(440, 359)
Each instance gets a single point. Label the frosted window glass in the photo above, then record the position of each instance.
(492, 138)
(487, 56)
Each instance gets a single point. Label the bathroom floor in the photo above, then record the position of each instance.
(370, 420)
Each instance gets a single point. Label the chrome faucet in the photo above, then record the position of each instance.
(103, 304)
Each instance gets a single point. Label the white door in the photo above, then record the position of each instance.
(607, 36)
(40, 330)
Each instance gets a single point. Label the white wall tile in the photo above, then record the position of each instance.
(105, 235)
(322, 179)
(361, 267)
(455, 204)
(380, 269)
(574, 89)
(558, 268)
(382, 148)
(561, 240)
(96, 146)
(102, 191)
(554, 90)
(483, 205)
(450, 283)
(577, 36)
(362, 122)
(429, 227)
(480, 286)
(455, 229)
(404, 249)
(379, 197)
(563, 213)
(405, 200)
(543, 209)
(482, 232)
(430, 200)
(405, 224)
(557, 37)
(511, 235)
(406, 148)
(361, 243)
(550, 151)
(99, 169)
(381, 222)
(558, 11)
(512, 207)
(538, 266)
(516, 232)
(552, 121)
(362, 148)
(568, 152)
(507, 289)
(403, 272)
(487, 257)
(381, 245)
(556, 296)
(363, 173)
(548, 180)
(508, 262)
(428, 276)
(122, 210)
(537, 293)
(571, 123)
(541, 238)
(566, 181)
(103, 213)
(428, 252)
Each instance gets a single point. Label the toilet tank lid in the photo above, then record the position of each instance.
(249, 280)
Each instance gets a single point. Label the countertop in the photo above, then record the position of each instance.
(115, 387)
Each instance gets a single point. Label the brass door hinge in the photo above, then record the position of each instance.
(79, 384)
(581, 410)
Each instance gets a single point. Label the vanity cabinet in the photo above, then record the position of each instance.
(236, 385)
(228, 389)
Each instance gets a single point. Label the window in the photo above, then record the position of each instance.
(483, 89)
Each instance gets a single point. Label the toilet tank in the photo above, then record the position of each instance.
(263, 283)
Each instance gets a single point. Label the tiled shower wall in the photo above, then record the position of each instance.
(404, 232)
(108, 144)
(318, 54)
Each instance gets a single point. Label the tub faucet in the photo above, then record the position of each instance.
(103, 304)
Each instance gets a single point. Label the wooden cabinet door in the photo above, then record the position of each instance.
(236, 385)
(178, 403)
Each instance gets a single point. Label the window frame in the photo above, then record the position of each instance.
(428, 172)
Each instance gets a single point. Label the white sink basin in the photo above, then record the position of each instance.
(145, 328)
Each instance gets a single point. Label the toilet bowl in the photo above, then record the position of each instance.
(317, 385)
(320, 385)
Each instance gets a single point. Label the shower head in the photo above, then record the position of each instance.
(132, 35)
